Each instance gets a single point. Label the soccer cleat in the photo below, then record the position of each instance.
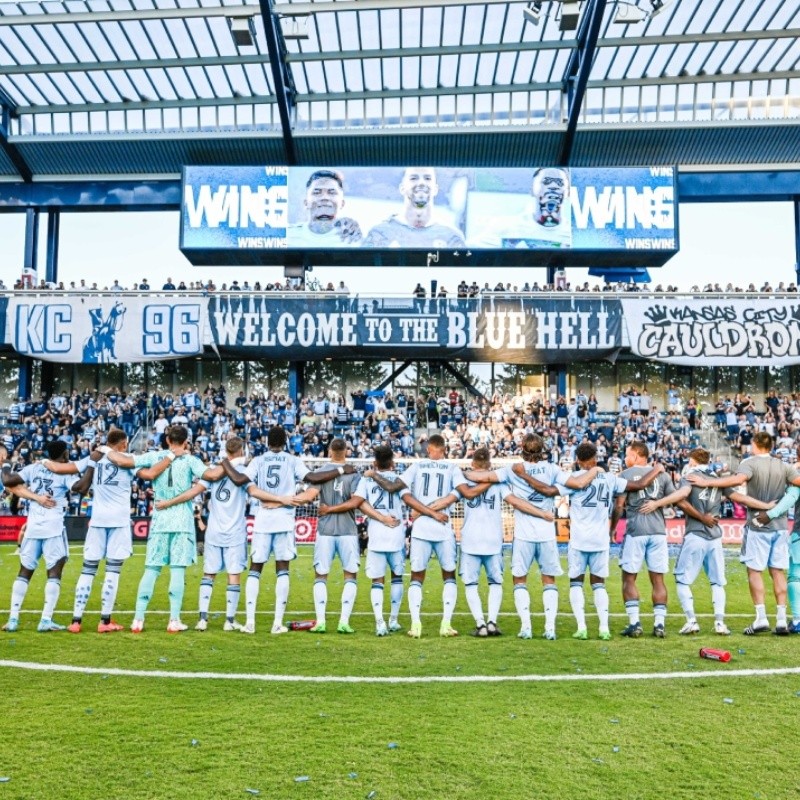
(525, 633)
(581, 633)
(202, 624)
(278, 629)
(381, 629)
(493, 629)
(394, 626)
(721, 629)
(415, 631)
(754, 630)
(320, 627)
(447, 631)
(109, 627)
(689, 628)
(781, 630)
(550, 635)
(176, 626)
(605, 635)
(659, 632)
(249, 627)
(12, 625)
(343, 627)
(137, 626)
(481, 632)
(794, 627)
(74, 627)
(48, 626)
(632, 631)
(231, 625)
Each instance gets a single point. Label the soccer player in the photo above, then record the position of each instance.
(590, 532)
(645, 541)
(702, 542)
(430, 479)
(764, 547)
(273, 529)
(325, 226)
(109, 533)
(45, 536)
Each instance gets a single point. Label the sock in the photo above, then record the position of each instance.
(18, 592)
(396, 598)
(146, 586)
(600, 595)
(232, 601)
(687, 601)
(376, 598)
(348, 601)
(474, 603)
(204, 601)
(415, 601)
(52, 589)
(449, 594)
(177, 585)
(578, 603)
(781, 616)
(320, 599)
(550, 600)
(632, 610)
(108, 595)
(659, 614)
(495, 599)
(718, 601)
(281, 596)
(794, 597)
(522, 602)
(761, 614)
(83, 589)
(251, 587)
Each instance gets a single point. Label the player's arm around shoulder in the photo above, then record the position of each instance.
(183, 497)
(682, 493)
(527, 508)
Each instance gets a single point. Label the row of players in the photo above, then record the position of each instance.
(429, 487)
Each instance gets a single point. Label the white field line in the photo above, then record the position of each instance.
(267, 678)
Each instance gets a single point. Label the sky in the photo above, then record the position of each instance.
(719, 242)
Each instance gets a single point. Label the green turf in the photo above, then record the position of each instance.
(100, 736)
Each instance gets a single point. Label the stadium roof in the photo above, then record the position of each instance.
(104, 88)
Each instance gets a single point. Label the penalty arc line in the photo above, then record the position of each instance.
(405, 679)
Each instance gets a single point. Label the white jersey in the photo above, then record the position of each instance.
(383, 539)
(526, 527)
(590, 511)
(46, 523)
(482, 532)
(111, 493)
(431, 480)
(227, 513)
(276, 473)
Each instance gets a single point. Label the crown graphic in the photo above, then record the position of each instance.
(657, 315)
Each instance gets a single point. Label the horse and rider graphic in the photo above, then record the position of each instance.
(99, 347)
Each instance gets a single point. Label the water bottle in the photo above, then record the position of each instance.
(307, 624)
(715, 655)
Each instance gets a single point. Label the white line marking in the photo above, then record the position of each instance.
(267, 678)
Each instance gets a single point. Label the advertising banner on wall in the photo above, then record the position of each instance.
(715, 332)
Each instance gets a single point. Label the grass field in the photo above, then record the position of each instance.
(164, 735)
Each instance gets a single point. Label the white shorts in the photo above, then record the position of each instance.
(422, 550)
(578, 561)
(113, 543)
(762, 549)
(697, 553)
(637, 551)
(231, 559)
(545, 554)
(326, 548)
(378, 561)
(265, 544)
(52, 550)
(470, 568)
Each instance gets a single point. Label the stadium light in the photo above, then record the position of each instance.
(628, 14)
(533, 12)
(659, 6)
(570, 15)
(243, 31)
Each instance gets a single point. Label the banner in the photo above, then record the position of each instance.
(714, 332)
(105, 329)
(516, 331)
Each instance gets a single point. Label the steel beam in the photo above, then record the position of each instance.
(7, 109)
(126, 15)
(396, 374)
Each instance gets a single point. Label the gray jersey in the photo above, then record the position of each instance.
(767, 482)
(706, 501)
(332, 493)
(646, 524)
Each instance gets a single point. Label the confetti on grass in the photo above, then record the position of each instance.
(302, 779)
(392, 745)
(253, 791)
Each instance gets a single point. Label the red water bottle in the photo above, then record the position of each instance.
(714, 654)
(307, 624)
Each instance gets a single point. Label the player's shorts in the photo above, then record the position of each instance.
(423, 549)
(637, 551)
(326, 548)
(266, 544)
(52, 550)
(113, 543)
(578, 561)
(697, 553)
(171, 550)
(545, 554)
(470, 568)
(762, 549)
(231, 558)
(379, 560)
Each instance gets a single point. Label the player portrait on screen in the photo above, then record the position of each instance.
(545, 223)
